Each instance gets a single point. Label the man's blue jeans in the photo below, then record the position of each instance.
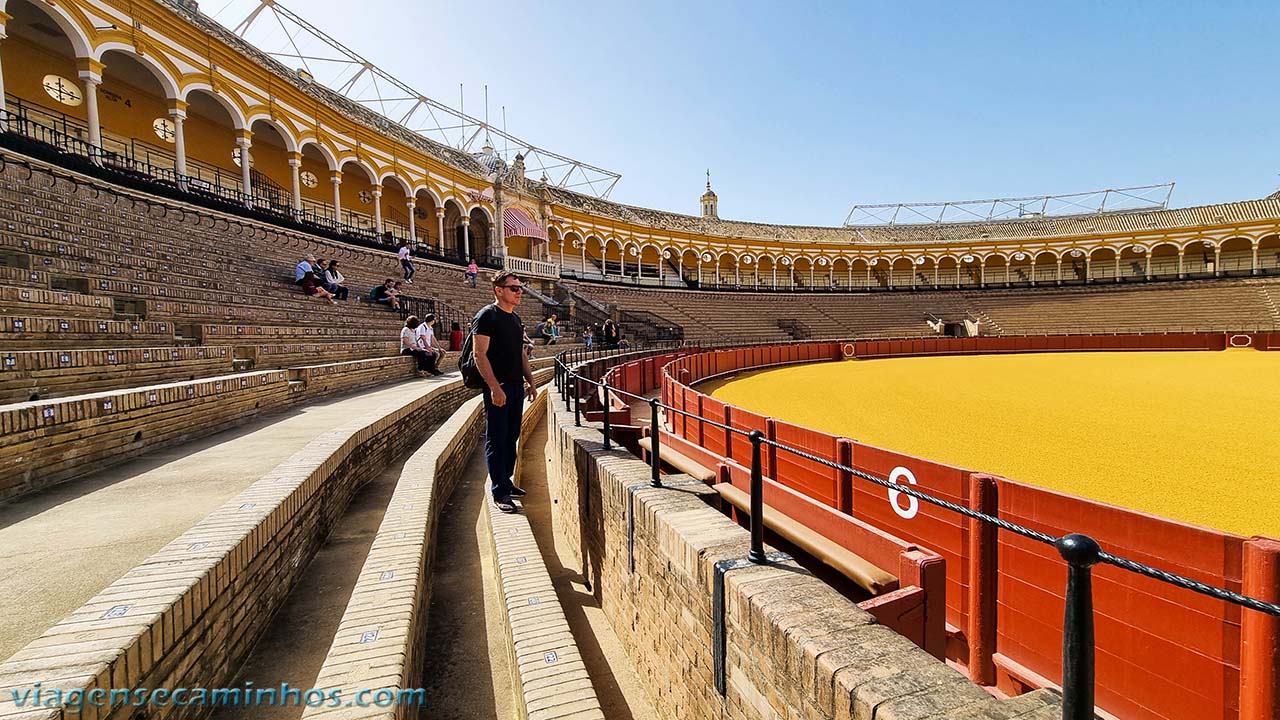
(502, 433)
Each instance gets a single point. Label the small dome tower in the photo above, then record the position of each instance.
(709, 201)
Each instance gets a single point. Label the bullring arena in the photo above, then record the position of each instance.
(836, 472)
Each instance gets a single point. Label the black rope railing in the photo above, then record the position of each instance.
(1080, 552)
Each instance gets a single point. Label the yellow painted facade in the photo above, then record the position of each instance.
(228, 93)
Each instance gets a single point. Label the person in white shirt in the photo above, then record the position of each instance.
(405, 262)
(333, 281)
(427, 342)
(409, 346)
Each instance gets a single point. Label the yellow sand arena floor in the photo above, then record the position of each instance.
(1192, 436)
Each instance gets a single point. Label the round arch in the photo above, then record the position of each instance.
(321, 149)
(281, 129)
(995, 269)
(233, 110)
(1198, 258)
(1163, 259)
(1269, 255)
(1133, 263)
(902, 272)
(70, 27)
(1044, 267)
(1102, 264)
(480, 231)
(1021, 268)
(164, 75)
(1236, 257)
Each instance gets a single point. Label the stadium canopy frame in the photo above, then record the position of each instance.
(292, 40)
(1095, 202)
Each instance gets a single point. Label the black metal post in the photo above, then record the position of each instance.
(577, 400)
(756, 555)
(604, 387)
(1081, 553)
(655, 479)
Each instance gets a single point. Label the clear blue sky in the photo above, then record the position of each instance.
(803, 109)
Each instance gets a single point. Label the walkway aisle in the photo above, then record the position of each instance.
(612, 675)
(467, 674)
(59, 547)
(295, 643)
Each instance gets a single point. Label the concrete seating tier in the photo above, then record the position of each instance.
(1212, 304)
(50, 373)
(33, 333)
(190, 614)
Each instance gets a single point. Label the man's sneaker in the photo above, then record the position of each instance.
(518, 492)
(505, 505)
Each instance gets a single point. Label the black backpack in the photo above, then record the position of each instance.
(467, 364)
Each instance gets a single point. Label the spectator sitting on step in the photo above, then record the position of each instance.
(304, 266)
(426, 334)
(409, 346)
(384, 294)
(551, 330)
(611, 335)
(455, 337)
(397, 290)
(469, 275)
(333, 281)
(311, 286)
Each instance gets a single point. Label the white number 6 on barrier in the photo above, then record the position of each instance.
(913, 504)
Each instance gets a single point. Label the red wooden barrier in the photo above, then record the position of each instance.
(1259, 666)
(811, 478)
(912, 565)
(942, 531)
(1162, 652)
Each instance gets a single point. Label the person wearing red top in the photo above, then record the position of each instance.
(455, 338)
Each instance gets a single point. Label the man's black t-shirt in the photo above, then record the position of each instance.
(506, 340)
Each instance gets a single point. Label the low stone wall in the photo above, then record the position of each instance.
(380, 640)
(51, 441)
(548, 675)
(792, 646)
(189, 615)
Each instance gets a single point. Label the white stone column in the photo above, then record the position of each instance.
(1181, 273)
(583, 267)
(1217, 262)
(178, 114)
(244, 142)
(1058, 272)
(1088, 269)
(1147, 272)
(792, 275)
(4, 110)
(413, 226)
(295, 173)
(440, 227)
(377, 209)
(466, 236)
(91, 82)
(1117, 279)
(335, 178)
(1253, 263)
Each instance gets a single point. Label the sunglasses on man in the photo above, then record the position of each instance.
(513, 288)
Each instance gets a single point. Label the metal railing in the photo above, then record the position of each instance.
(1080, 552)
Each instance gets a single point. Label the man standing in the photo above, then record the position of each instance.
(499, 336)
